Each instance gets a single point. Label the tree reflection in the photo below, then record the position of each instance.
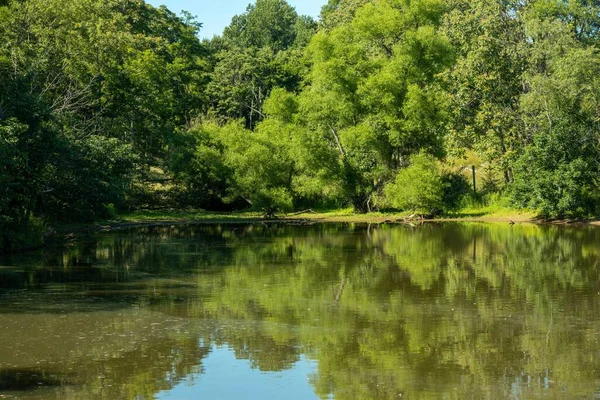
(459, 310)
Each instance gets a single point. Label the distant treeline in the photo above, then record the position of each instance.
(109, 105)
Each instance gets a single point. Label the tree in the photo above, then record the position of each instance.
(241, 82)
(16, 195)
(260, 50)
(338, 12)
(87, 90)
(261, 165)
(487, 80)
(198, 164)
(267, 23)
(373, 98)
(558, 171)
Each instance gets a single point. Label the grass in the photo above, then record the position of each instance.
(493, 212)
(471, 213)
(194, 215)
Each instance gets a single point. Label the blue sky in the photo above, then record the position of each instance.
(216, 14)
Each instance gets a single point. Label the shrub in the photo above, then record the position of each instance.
(110, 211)
(556, 189)
(26, 236)
(418, 186)
(276, 199)
(85, 176)
(455, 188)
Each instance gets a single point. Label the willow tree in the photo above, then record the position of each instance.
(373, 97)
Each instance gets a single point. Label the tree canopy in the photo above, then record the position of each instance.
(113, 105)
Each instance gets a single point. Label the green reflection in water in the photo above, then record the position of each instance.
(440, 311)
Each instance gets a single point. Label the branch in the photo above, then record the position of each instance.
(256, 111)
(309, 211)
(337, 140)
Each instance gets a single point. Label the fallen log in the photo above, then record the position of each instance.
(309, 211)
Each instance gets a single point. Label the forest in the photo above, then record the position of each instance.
(108, 106)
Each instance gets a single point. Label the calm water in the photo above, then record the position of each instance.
(448, 311)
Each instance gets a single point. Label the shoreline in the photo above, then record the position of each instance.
(149, 219)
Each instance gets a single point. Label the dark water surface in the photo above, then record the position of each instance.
(441, 311)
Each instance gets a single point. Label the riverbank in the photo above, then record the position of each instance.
(343, 215)
(160, 218)
(65, 233)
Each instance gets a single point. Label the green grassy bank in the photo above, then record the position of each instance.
(342, 215)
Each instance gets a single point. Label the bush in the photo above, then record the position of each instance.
(455, 189)
(557, 190)
(422, 186)
(202, 179)
(418, 186)
(110, 211)
(27, 236)
(276, 199)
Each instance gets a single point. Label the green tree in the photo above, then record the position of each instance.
(558, 171)
(198, 164)
(487, 80)
(267, 23)
(87, 90)
(261, 165)
(418, 186)
(373, 98)
(338, 12)
(260, 50)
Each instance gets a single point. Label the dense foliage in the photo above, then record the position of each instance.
(109, 105)
(91, 93)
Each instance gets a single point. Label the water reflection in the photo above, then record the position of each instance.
(379, 312)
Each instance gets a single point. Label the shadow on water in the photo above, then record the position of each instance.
(16, 380)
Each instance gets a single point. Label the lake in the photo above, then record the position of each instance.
(330, 311)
